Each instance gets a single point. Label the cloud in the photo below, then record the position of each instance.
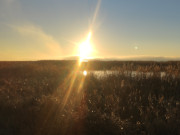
(39, 41)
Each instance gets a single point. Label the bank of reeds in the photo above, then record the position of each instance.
(51, 98)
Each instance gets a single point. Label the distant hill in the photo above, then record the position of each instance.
(136, 58)
(71, 58)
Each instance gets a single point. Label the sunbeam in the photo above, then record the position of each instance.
(95, 14)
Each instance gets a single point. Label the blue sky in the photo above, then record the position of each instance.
(52, 29)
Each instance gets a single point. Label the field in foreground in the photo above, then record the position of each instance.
(52, 98)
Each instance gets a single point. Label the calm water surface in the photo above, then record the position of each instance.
(102, 74)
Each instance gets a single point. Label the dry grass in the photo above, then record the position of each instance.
(49, 97)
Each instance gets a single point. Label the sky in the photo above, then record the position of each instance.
(53, 29)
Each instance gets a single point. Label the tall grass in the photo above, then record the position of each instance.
(32, 99)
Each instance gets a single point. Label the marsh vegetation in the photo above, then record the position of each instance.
(52, 98)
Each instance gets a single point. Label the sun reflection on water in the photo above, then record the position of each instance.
(84, 72)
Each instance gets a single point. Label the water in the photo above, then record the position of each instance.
(106, 73)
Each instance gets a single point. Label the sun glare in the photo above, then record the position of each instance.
(84, 72)
(85, 48)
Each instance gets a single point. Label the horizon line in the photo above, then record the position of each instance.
(120, 58)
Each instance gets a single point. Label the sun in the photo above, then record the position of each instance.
(85, 48)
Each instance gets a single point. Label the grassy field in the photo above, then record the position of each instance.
(53, 98)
